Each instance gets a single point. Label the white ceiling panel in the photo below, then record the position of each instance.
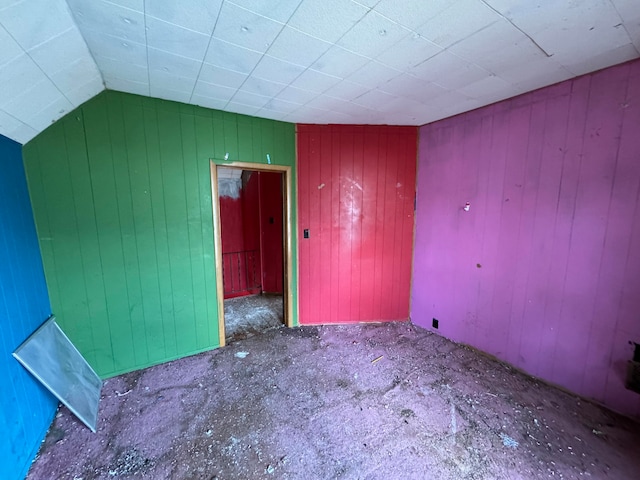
(447, 69)
(207, 102)
(31, 101)
(327, 20)
(129, 86)
(277, 70)
(221, 76)
(40, 28)
(245, 28)
(99, 16)
(10, 48)
(461, 19)
(218, 92)
(296, 47)
(168, 81)
(54, 55)
(629, 12)
(232, 57)
(74, 74)
(117, 68)
(412, 88)
(16, 75)
(173, 64)
(586, 64)
(23, 133)
(197, 15)
(169, 94)
(579, 30)
(115, 48)
(412, 13)
(262, 87)
(373, 75)
(296, 95)
(345, 90)
(251, 99)
(280, 106)
(50, 113)
(176, 39)
(9, 123)
(339, 62)
(410, 51)
(278, 10)
(83, 92)
(374, 99)
(311, 61)
(373, 34)
(490, 87)
(315, 81)
(242, 109)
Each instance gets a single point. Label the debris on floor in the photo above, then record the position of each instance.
(308, 403)
(245, 316)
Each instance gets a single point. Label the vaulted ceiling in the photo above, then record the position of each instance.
(406, 62)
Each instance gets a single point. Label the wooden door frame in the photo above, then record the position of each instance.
(287, 233)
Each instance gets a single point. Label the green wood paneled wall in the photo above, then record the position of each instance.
(121, 196)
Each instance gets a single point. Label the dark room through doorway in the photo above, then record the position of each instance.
(252, 234)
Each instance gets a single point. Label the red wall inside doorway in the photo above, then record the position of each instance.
(246, 226)
(271, 229)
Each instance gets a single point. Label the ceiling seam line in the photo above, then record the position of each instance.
(538, 46)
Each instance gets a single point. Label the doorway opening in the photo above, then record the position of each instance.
(252, 230)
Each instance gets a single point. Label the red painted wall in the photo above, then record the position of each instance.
(253, 221)
(271, 230)
(231, 224)
(356, 189)
(240, 231)
(250, 195)
(543, 271)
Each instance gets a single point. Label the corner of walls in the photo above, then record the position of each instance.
(27, 408)
(121, 197)
(542, 271)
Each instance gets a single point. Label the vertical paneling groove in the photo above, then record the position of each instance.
(357, 185)
(122, 202)
(552, 286)
(26, 408)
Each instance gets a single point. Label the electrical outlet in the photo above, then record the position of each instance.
(434, 323)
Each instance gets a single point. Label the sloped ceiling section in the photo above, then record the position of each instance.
(405, 62)
(46, 69)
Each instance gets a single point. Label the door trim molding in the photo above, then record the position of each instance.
(286, 235)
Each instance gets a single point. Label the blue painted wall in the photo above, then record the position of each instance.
(26, 408)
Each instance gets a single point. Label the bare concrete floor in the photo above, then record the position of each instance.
(379, 401)
(244, 316)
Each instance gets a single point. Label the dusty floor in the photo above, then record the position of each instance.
(244, 316)
(355, 402)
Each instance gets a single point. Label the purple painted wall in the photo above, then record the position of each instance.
(543, 271)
